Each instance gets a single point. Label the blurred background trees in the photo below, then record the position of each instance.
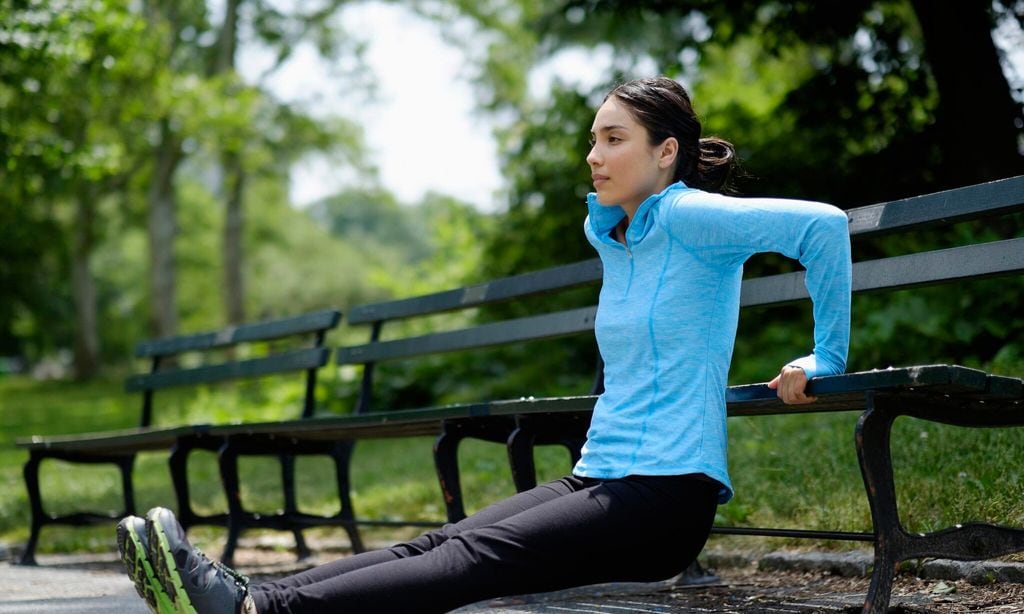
(844, 102)
(144, 184)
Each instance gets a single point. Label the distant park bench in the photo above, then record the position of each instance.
(294, 345)
(944, 393)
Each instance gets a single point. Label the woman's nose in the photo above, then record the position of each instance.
(592, 157)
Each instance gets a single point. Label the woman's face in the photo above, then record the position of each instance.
(625, 168)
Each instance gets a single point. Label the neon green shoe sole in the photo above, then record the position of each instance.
(133, 547)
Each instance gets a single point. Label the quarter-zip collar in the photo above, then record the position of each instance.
(604, 218)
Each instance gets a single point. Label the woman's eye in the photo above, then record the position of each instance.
(592, 141)
(614, 139)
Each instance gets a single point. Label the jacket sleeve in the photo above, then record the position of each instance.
(729, 230)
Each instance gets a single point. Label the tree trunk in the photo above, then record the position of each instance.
(233, 178)
(234, 222)
(162, 230)
(83, 291)
(978, 119)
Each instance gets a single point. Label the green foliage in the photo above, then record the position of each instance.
(97, 100)
(409, 250)
(74, 97)
(296, 264)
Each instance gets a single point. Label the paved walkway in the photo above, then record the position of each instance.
(95, 583)
(73, 583)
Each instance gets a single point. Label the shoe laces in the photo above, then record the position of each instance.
(241, 581)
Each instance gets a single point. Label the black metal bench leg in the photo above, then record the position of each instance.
(575, 447)
(178, 464)
(872, 440)
(520, 458)
(446, 462)
(31, 471)
(227, 457)
(290, 504)
(342, 456)
(127, 484)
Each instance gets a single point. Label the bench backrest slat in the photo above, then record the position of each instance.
(522, 329)
(257, 331)
(537, 282)
(967, 262)
(949, 206)
(898, 272)
(285, 362)
(959, 204)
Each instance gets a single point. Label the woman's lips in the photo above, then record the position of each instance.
(598, 179)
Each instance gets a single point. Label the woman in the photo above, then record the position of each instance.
(640, 503)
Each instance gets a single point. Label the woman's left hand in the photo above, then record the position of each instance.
(790, 385)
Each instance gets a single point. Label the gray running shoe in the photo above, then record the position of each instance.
(196, 584)
(133, 545)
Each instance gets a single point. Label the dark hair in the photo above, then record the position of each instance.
(662, 106)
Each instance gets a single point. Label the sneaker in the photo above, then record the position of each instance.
(195, 584)
(133, 545)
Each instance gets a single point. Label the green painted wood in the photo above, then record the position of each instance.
(836, 393)
(496, 291)
(900, 272)
(947, 207)
(523, 329)
(112, 442)
(971, 202)
(257, 331)
(296, 360)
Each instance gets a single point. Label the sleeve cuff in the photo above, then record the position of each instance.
(808, 363)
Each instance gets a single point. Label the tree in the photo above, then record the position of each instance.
(186, 26)
(876, 64)
(70, 143)
(101, 106)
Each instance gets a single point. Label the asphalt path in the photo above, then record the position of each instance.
(80, 584)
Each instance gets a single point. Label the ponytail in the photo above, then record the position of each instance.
(716, 166)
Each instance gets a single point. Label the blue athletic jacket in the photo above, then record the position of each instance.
(666, 321)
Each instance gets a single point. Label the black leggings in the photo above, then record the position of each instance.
(566, 533)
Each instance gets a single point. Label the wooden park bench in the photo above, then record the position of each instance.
(944, 393)
(292, 345)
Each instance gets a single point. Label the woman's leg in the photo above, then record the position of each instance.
(637, 528)
(489, 515)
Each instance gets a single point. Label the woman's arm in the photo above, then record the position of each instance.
(817, 235)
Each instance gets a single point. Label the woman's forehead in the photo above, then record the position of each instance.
(613, 114)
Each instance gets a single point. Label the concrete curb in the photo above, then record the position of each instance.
(859, 564)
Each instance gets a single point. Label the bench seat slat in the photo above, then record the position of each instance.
(836, 393)
(523, 329)
(112, 442)
(296, 360)
(257, 331)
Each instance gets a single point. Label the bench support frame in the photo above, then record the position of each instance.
(973, 541)
(124, 463)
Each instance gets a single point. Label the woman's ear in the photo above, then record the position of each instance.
(669, 149)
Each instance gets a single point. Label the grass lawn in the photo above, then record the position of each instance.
(788, 471)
